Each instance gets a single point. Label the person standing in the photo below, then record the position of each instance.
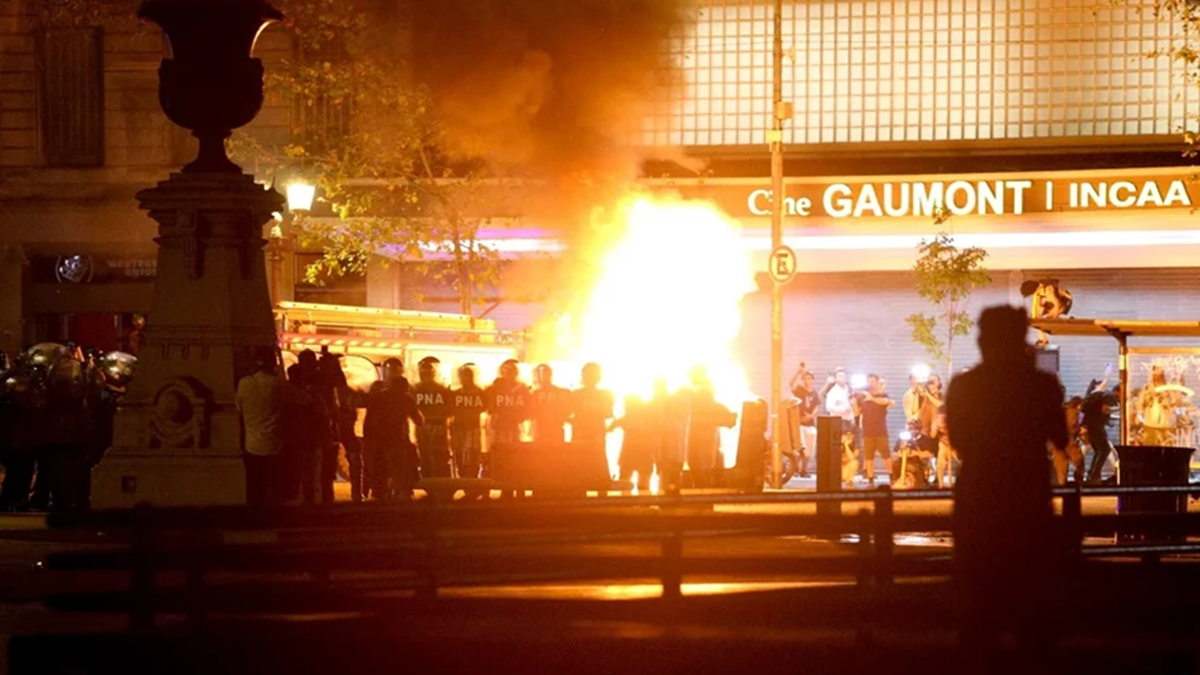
(1001, 416)
(466, 435)
(345, 412)
(591, 407)
(931, 400)
(261, 400)
(912, 399)
(549, 409)
(641, 440)
(706, 417)
(311, 431)
(1072, 454)
(1097, 417)
(436, 406)
(809, 404)
(507, 401)
(839, 403)
(946, 456)
(387, 435)
(875, 404)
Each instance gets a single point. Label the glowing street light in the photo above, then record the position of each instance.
(300, 196)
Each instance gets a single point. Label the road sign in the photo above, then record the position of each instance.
(782, 264)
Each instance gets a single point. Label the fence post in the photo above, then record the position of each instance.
(866, 550)
(427, 529)
(142, 575)
(885, 541)
(672, 558)
(195, 591)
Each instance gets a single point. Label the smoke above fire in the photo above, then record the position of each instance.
(549, 86)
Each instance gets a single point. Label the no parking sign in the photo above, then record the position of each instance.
(781, 266)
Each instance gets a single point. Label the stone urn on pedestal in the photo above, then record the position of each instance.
(177, 436)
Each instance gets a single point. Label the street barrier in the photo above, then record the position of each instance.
(425, 547)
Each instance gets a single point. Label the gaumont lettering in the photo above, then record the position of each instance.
(926, 199)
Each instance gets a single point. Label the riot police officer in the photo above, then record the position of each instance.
(390, 410)
(591, 407)
(706, 417)
(465, 432)
(549, 408)
(436, 405)
(507, 401)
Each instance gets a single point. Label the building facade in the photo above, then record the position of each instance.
(1043, 126)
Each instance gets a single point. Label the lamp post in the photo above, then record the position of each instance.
(300, 197)
(780, 112)
(176, 440)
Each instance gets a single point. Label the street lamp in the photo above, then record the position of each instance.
(300, 197)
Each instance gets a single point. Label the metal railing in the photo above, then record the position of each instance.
(427, 547)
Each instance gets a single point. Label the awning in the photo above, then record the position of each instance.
(1117, 328)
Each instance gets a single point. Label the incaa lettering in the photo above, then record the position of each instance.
(1123, 194)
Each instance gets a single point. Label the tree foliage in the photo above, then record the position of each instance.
(945, 276)
(1184, 50)
(366, 135)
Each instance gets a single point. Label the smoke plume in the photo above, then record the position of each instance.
(558, 87)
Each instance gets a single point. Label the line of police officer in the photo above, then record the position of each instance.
(659, 432)
(56, 420)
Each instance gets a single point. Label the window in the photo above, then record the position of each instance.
(1040, 68)
(71, 96)
(322, 122)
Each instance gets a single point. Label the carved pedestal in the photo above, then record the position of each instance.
(177, 435)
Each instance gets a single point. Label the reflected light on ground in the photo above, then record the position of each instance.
(621, 591)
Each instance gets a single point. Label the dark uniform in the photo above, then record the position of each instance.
(390, 408)
(1000, 416)
(507, 402)
(437, 407)
(549, 408)
(465, 432)
(640, 447)
(706, 417)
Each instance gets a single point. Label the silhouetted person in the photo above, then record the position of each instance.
(345, 410)
(262, 399)
(507, 401)
(466, 434)
(643, 427)
(591, 407)
(1001, 416)
(393, 467)
(549, 407)
(437, 407)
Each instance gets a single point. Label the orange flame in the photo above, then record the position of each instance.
(668, 299)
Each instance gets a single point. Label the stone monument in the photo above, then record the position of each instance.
(177, 437)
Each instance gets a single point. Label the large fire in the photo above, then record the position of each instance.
(667, 298)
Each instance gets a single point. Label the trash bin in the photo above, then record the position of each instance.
(1152, 465)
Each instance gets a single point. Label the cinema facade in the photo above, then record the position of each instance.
(1039, 129)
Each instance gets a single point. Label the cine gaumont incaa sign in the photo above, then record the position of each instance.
(992, 197)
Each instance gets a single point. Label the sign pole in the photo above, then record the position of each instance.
(776, 143)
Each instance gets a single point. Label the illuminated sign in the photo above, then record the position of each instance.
(972, 197)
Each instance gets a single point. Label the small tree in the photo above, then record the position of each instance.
(367, 134)
(945, 276)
